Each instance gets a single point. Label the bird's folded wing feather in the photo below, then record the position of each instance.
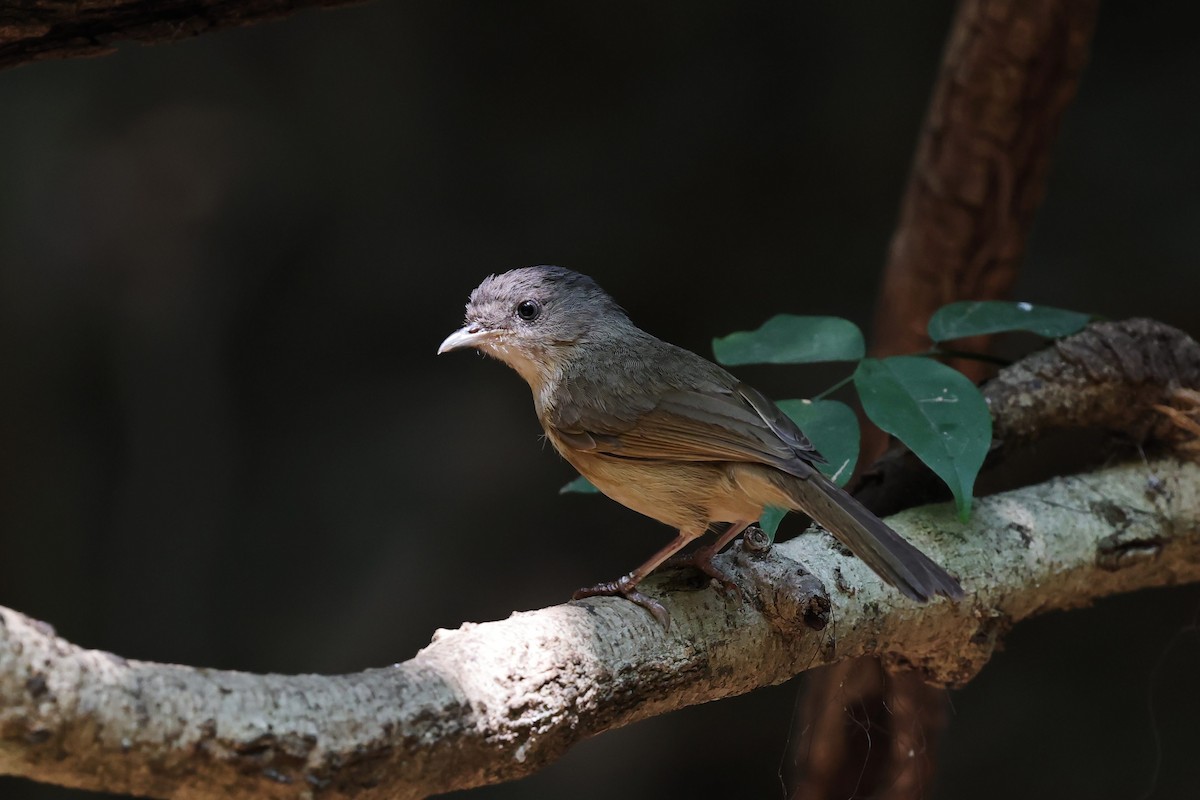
(711, 423)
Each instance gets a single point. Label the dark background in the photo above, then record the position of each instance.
(225, 265)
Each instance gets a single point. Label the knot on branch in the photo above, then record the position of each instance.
(792, 599)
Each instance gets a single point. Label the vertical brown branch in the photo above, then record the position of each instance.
(865, 732)
(1010, 69)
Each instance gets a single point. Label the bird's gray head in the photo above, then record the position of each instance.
(529, 317)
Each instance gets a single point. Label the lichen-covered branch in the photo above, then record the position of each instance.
(496, 701)
(41, 29)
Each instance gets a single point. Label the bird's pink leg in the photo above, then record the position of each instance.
(702, 559)
(626, 585)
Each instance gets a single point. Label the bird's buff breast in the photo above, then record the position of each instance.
(685, 495)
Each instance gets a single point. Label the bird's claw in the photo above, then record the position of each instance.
(624, 587)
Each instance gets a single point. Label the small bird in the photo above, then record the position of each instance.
(667, 433)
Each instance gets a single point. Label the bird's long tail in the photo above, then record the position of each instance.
(891, 557)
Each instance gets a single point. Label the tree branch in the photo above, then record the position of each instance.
(497, 701)
(42, 29)
(1010, 71)
(1131, 378)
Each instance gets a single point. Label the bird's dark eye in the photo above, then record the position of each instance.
(529, 310)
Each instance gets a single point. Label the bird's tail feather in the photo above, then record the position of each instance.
(868, 537)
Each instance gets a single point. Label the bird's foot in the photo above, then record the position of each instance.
(627, 588)
(702, 560)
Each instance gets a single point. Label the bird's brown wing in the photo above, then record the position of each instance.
(711, 422)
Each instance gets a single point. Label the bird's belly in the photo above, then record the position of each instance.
(686, 495)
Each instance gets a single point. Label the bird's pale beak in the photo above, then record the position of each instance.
(467, 336)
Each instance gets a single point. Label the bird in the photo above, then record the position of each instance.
(666, 432)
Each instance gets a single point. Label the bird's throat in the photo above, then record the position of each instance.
(539, 368)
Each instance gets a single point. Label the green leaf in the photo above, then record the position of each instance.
(580, 485)
(833, 429)
(789, 339)
(770, 519)
(934, 410)
(957, 320)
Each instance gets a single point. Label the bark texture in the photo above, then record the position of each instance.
(1135, 379)
(34, 30)
(1010, 70)
(1111, 376)
(496, 701)
(863, 731)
